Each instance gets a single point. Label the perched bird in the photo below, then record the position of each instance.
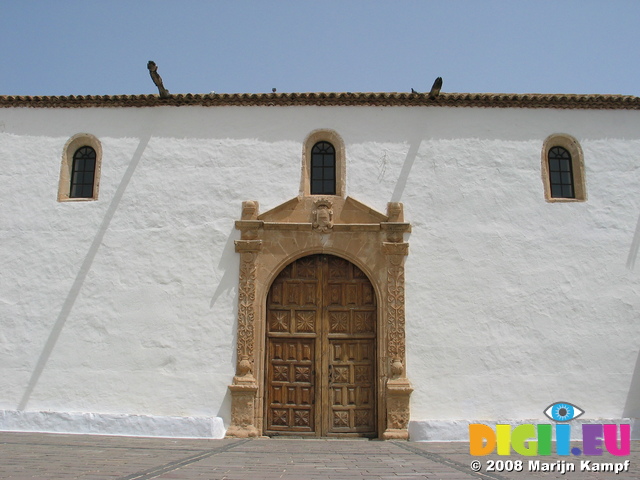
(413, 91)
(273, 89)
(153, 71)
(435, 90)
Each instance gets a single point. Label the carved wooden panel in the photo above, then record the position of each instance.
(351, 311)
(291, 385)
(351, 386)
(293, 307)
(321, 337)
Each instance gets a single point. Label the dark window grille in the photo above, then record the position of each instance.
(83, 173)
(561, 173)
(323, 169)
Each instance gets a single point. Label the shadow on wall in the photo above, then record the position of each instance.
(632, 406)
(635, 244)
(224, 412)
(407, 165)
(72, 296)
(230, 264)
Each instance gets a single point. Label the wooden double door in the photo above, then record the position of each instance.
(321, 350)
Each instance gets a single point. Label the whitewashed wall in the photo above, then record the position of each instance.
(118, 316)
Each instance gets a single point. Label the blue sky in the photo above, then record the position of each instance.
(65, 47)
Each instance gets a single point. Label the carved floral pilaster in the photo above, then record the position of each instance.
(246, 306)
(398, 388)
(395, 314)
(244, 387)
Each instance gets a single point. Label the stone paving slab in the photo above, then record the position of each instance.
(55, 456)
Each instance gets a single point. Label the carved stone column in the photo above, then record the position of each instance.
(244, 388)
(398, 388)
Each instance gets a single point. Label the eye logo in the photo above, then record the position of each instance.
(563, 412)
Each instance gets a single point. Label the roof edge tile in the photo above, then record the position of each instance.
(390, 99)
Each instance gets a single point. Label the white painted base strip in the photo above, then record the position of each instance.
(112, 424)
(458, 430)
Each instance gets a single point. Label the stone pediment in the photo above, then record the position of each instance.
(324, 214)
(345, 211)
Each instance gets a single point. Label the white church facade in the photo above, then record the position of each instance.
(382, 265)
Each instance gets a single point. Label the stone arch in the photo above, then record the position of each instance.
(336, 251)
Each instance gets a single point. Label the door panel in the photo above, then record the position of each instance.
(351, 384)
(291, 385)
(321, 319)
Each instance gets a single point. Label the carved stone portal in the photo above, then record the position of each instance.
(309, 225)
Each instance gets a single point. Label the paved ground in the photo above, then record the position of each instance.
(49, 456)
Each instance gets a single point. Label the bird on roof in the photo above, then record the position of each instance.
(435, 90)
(413, 91)
(274, 90)
(153, 71)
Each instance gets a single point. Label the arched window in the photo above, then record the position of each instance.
(323, 169)
(80, 169)
(323, 164)
(83, 173)
(561, 173)
(563, 169)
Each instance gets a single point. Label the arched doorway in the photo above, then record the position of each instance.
(320, 365)
(336, 228)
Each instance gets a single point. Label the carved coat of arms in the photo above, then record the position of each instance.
(323, 216)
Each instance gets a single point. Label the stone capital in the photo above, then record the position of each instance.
(248, 246)
(391, 248)
(395, 230)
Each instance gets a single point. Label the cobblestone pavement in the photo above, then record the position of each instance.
(51, 456)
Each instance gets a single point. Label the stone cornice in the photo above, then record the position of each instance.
(478, 100)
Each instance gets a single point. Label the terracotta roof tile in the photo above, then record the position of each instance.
(482, 100)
